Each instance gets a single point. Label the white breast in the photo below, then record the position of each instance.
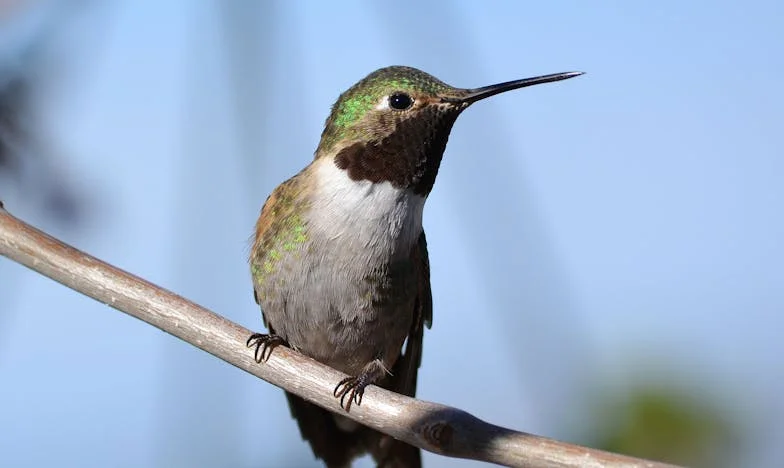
(365, 215)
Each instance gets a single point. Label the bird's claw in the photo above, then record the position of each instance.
(263, 343)
(354, 388)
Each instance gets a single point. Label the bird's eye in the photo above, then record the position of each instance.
(400, 101)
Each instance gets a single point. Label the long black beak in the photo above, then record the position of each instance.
(470, 96)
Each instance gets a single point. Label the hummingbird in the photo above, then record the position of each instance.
(339, 259)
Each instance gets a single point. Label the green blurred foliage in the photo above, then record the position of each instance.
(662, 422)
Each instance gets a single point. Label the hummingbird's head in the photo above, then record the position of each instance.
(394, 124)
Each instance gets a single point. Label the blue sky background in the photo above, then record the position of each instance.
(621, 226)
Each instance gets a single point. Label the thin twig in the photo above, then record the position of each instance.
(437, 428)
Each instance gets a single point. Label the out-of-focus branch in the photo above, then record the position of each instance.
(437, 428)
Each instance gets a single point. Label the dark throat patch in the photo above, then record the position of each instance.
(409, 157)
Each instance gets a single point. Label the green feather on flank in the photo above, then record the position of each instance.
(288, 240)
(300, 236)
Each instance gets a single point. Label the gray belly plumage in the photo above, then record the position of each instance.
(341, 305)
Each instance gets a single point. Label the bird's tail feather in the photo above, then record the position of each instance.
(338, 447)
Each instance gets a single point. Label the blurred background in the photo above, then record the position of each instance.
(615, 240)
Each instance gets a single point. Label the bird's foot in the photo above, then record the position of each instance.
(354, 387)
(264, 344)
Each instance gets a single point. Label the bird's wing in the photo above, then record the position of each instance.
(389, 452)
(407, 366)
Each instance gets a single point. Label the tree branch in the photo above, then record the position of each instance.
(431, 426)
